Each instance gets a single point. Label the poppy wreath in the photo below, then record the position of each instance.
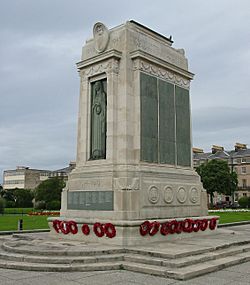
(154, 228)
(85, 229)
(212, 224)
(179, 228)
(164, 228)
(110, 230)
(99, 229)
(187, 226)
(64, 227)
(73, 227)
(56, 225)
(145, 228)
(173, 227)
(203, 224)
(196, 225)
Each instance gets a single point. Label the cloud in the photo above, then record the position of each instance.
(39, 88)
(221, 126)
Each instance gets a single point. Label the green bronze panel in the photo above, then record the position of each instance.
(91, 200)
(98, 119)
(149, 118)
(166, 122)
(183, 126)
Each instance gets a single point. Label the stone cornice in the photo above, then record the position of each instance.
(160, 68)
(105, 56)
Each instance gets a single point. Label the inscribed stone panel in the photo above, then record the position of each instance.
(90, 200)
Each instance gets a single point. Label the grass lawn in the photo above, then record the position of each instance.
(9, 222)
(231, 217)
(17, 210)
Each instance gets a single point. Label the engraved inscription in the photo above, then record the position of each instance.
(91, 200)
(91, 184)
(141, 42)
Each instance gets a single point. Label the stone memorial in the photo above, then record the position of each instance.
(134, 181)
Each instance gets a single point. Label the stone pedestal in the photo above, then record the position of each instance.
(134, 135)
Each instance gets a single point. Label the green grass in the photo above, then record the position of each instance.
(18, 210)
(231, 217)
(9, 222)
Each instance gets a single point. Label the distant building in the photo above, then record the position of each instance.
(64, 172)
(24, 177)
(237, 159)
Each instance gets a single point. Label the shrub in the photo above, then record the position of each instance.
(40, 205)
(244, 202)
(10, 204)
(53, 205)
(2, 205)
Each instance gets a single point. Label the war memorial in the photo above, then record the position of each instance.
(134, 178)
(133, 201)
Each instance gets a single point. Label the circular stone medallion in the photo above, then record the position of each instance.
(168, 195)
(153, 195)
(181, 195)
(101, 36)
(194, 195)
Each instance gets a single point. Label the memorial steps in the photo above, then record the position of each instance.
(182, 259)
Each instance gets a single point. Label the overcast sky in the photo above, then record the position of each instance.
(41, 40)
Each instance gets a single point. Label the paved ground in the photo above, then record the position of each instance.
(239, 275)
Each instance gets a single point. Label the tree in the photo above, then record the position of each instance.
(2, 205)
(49, 190)
(23, 198)
(17, 197)
(216, 177)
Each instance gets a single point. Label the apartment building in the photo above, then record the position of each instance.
(238, 160)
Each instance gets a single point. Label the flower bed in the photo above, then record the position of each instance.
(44, 213)
(229, 210)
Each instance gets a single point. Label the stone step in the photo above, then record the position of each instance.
(166, 255)
(60, 267)
(195, 270)
(59, 252)
(187, 253)
(145, 268)
(159, 267)
(186, 260)
(187, 272)
(60, 259)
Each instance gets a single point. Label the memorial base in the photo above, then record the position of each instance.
(131, 233)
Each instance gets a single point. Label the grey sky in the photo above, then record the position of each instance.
(39, 86)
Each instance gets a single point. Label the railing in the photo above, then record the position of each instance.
(244, 188)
